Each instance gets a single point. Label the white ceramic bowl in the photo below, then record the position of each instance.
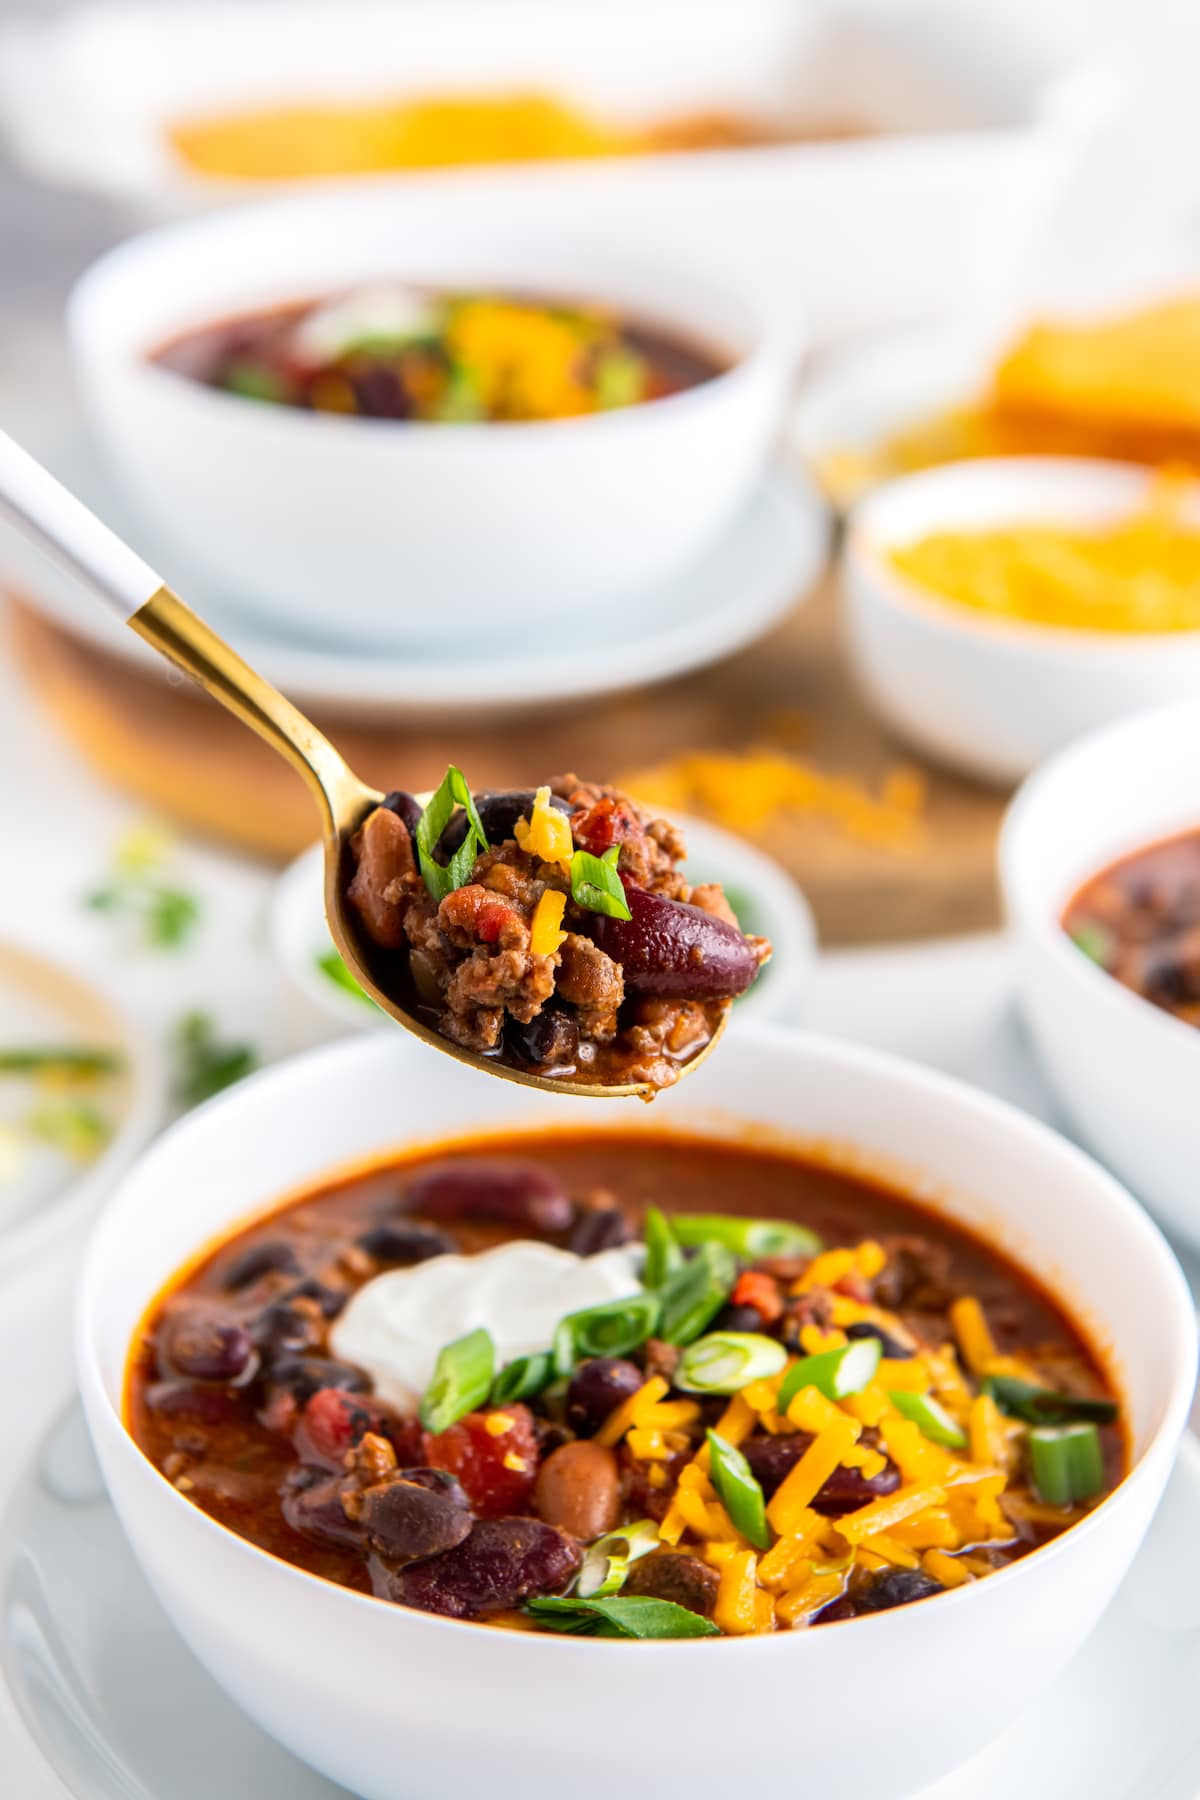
(768, 900)
(393, 1702)
(1127, 1073)
(408, 531)
(993, 697)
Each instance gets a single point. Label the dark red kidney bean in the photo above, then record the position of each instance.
(737, 1318)
(597, 1387)
(302, 1376)
(312, 1504)
(405, 1243)
(501, 1563)
(549, 1040)
(503, 1193)
(281, 1330)
(404, 807)
(599, 1228)
(206, 1349)
(892, 1347)
(189, 1402)
(771, 1459)
(672, 949)
(676, 1576)
(498, 809)
(260, 1259)
(407, 1520)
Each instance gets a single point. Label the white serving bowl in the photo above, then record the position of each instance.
(403, 531)
(393, 1702)
(1126, 1072)
(774, 907)
(993, 697)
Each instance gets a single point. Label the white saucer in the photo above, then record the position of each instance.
(764, 567)
(122, 1711)
(765, 896)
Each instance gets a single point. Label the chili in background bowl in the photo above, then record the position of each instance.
(390, 1701)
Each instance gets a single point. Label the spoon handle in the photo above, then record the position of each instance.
(75, 538)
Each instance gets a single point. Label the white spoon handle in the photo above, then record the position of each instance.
(68, 532)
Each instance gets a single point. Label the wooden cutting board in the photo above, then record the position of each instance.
(179, 753)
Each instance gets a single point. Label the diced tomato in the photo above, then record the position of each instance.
(478, 913)
(494, 1455)
(332, 1423)
(761, 1291)
(606, 823)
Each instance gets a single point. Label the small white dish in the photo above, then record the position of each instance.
(1126, 1072)
(45, 1191)
(766, 899)
(95, 1667)
(994, 696)
(401, 531)
(767, 563)
(944, 1678)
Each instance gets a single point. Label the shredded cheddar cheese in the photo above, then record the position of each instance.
(545, 931)
(546, 833)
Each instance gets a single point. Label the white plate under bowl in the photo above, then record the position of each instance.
(765, 897)
(44, 1004)
(121, 1710)
(764, 566)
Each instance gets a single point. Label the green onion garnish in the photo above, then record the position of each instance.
(1095, 942)
(746, 1237)
(522, 1378)
(930, 1417)
(76, 1065)
(724, 1362)
(834, 1373)
(71, 1126)
(695, 1294)
(596, 884)
(632, 1615)
(1045, 1406)
(607, 1563)
(613, 1328)
(254, 381)
(332, 966)
(1067, 1463)
(442, 878)
(663, 1255)
(738, 1492)
(462, 1380)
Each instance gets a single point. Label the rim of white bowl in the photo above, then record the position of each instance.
(868, 552)
(1178, 1314)
(770, 342)
(1036, 795)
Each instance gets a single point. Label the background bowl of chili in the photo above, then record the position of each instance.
(1126, 1071)
(389, 1701)
(368, 528)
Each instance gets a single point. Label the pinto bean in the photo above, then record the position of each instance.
(578, 1488)
(673, 1575)
(517, 1194)
(670, 948)
(385, 856)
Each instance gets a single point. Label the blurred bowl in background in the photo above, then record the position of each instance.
(764, 896)
(405, 531)
(993, 696)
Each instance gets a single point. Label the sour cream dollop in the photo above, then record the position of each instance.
(396, 1323)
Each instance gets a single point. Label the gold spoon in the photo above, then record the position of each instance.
(74, 537)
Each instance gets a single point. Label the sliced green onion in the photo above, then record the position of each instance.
(724, 1362)
(462, 1380)
(931, 1418)
(834, 1373)
(1066, 1462)
(596, 884)
(1045, 1406)
(695, 1294)
(74, 1127)
(738, 1492)
(619, 379)
(663, 1255)
(522, 1378)
(607, 1563)
(632, 1615)
(78, 1065)
(613, 1328)
(746, 1237)
(442, 878)
(1095, 942)
(332, 966)
(254, 381)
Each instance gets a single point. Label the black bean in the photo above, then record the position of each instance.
(518, 1194)
(281, 1330)
(737, 1318)
(670, 948)
(405, 1243)
(190, 1402)
(892, 1347)
(259, 1260)
(501, 1563)
(381, 394)
(301, 1376)
(206, 1349)
(330, 1300)
(897, 1587)
(404, 807)
(498, 809)
(596, 1388)
(550, 1040)
(599, 1228)
(771, 1459)
(312, 1503)
(407, 1520)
